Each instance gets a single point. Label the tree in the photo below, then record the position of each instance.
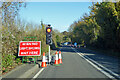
(10, 11)
(101, 28)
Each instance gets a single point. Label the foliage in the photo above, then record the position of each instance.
(15, 30)
(18, 60)
(65, 37)
(100, 29)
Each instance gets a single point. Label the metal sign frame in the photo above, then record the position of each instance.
(24, 58)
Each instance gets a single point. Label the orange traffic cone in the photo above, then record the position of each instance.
(43, 61)
(56, 58)
(60, 58)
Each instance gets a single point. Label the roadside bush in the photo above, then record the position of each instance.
(14, 30)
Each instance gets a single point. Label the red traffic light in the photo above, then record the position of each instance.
(48, 30)
(49, 35)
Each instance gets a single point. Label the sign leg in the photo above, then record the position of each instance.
(22, 59)
(35, 60)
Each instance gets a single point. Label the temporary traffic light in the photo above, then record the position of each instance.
(48, 30)
(49, 35)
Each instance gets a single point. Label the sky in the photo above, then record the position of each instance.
(59, 14)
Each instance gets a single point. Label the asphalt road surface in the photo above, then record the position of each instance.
(74, 66)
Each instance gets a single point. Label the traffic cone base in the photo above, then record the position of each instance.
(43, 64)
(56, 62)
(60, 61)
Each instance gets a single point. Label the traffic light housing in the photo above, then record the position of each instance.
(49, 35)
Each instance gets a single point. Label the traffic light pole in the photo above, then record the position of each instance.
(49, 39)
(49, 54)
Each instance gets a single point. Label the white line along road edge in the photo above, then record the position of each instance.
(38, 73)
(104, 72)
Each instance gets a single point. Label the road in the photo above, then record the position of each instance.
(110, 62)
(74, 66)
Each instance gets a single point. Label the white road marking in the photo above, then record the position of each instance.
(104, 72)
(97, 67)
(105, 68)
(38, 73)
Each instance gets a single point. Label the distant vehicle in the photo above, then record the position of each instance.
(84, 46)
(66, 43)
(69, 43)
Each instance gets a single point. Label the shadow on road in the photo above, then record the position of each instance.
(109, 62)
(67, 49)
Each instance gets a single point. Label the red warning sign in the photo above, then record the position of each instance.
(29, 48)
